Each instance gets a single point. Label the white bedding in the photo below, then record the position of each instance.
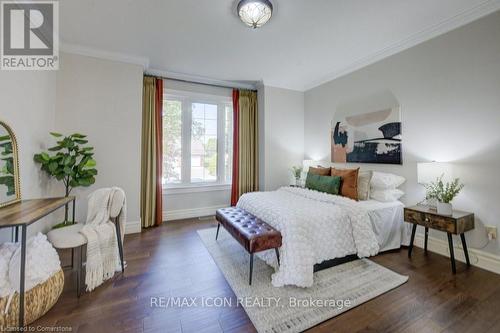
(388, 223)
(315, 227)
(318, 226)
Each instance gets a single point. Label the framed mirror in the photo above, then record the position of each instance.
(10, 189)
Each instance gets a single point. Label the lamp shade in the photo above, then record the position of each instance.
(428, 172)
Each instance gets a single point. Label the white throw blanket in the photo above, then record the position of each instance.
(42, 262)
(102, 244)
(315, 227)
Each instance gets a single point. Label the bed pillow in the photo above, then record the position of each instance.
(326, 184)
(386, 181)
(349, 186)
(386, 195)
(319, 170)
(364, 178)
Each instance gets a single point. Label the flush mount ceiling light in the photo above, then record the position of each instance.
(255, 13)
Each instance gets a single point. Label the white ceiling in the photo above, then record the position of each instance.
(306, 43)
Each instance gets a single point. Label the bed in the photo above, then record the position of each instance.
(387, 222)
(318, 227)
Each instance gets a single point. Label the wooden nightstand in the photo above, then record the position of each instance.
(455, 224)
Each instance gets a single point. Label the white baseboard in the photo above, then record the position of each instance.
(132, 227)
(479, 258)
(190, 213)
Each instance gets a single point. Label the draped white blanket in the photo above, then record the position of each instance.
(102, 245)
(42, 261)
(315, 227)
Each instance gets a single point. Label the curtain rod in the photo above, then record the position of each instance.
(219, 85)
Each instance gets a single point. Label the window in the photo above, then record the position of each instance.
(197, 139)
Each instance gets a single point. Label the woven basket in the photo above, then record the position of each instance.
(37, 302)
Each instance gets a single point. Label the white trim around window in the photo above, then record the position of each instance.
(184, 189)
(187, 98)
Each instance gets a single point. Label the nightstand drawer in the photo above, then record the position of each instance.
(449, 224)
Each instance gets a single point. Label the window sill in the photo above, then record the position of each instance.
(183, 189)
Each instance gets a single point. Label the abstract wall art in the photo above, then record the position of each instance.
(367, 137)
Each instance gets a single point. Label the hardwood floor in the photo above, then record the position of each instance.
(171, 261)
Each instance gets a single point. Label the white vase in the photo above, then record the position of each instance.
(432, 202)
(297, 182)
(444, 208)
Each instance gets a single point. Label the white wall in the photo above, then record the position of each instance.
(283, 136)
(190, 203)
(449, 91)
(27, 104)
(103, 99)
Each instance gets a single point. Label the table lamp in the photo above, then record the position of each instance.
(428, 172)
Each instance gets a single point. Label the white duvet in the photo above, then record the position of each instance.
(315, 227)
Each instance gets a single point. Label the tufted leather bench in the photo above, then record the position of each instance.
(252, 233)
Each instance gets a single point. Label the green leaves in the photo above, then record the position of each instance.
(56, 148)
(71, 163)
(297, 171)
(90, 163)
(53, 166)
(86, 181)
(443, 192)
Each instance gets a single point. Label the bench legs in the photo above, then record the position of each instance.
(251, 264)
(251, 256)
(251, 269)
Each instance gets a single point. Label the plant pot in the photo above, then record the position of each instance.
(444, 208)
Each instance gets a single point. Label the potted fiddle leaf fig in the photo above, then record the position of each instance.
(70, 161)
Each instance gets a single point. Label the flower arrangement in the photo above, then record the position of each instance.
(442, 192)
(297, 172)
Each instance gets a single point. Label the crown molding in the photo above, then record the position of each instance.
(101, 54)
(461, 19)
(200, 79)
(457, 21)
(144, 63)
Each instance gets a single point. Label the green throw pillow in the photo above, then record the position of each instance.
(326, 184)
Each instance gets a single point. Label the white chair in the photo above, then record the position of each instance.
(71, 238)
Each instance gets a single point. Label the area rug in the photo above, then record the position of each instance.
(292, 309)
